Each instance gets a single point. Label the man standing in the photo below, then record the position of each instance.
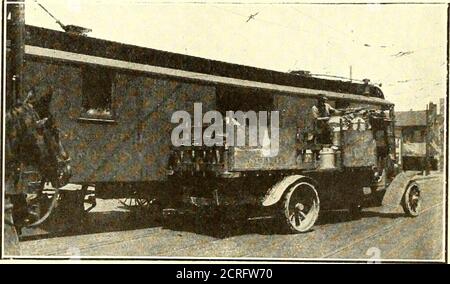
(321, 113)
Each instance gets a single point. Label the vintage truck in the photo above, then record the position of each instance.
(114, 104)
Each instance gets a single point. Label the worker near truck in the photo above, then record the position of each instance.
(322, 113)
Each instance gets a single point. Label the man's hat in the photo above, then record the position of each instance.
(322, 97)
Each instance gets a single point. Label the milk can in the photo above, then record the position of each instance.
(336, 138)
(327, 159)
(308, 156)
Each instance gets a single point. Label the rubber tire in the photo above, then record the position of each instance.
(405, 204)
(287, 225)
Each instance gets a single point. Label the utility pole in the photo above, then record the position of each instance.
(16, 38)
(351, 74)
(427, 141)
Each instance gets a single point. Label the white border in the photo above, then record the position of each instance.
(197, 76)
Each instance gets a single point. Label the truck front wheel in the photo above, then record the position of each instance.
(300, 207)
(412, 200)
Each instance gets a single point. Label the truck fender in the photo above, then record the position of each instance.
(275, 193)
(394, 193)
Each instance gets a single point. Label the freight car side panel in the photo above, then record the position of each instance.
(161, 98)
(132, 146)
(295, 116)
(96, 149)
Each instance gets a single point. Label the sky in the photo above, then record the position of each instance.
(402, 46)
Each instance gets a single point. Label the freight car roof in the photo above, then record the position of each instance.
(52, 39)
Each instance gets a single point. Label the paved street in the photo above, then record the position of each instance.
(113, 231)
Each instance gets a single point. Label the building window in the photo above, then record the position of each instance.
(419, 136)
(97, 85)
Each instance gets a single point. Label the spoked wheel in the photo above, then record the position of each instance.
(301, 207)
(138, 202)
(412, 200)
(132, 202)
(150, 206)
(35, 205)
(39, 197)
(41, 205)
(128, 202)
(145, 203)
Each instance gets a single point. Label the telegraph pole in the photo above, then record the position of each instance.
(427, 141)
(16, 37)
(351, 73)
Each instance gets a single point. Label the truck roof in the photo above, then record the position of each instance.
(52, 39)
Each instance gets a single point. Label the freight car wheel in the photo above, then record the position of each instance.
(142, 204)
(412, 200)
(135, 201)
(42, 204)
(300, 207)
(35, 205)
(128, 202)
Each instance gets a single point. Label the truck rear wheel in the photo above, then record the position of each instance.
(300, 207)
(412, 200)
